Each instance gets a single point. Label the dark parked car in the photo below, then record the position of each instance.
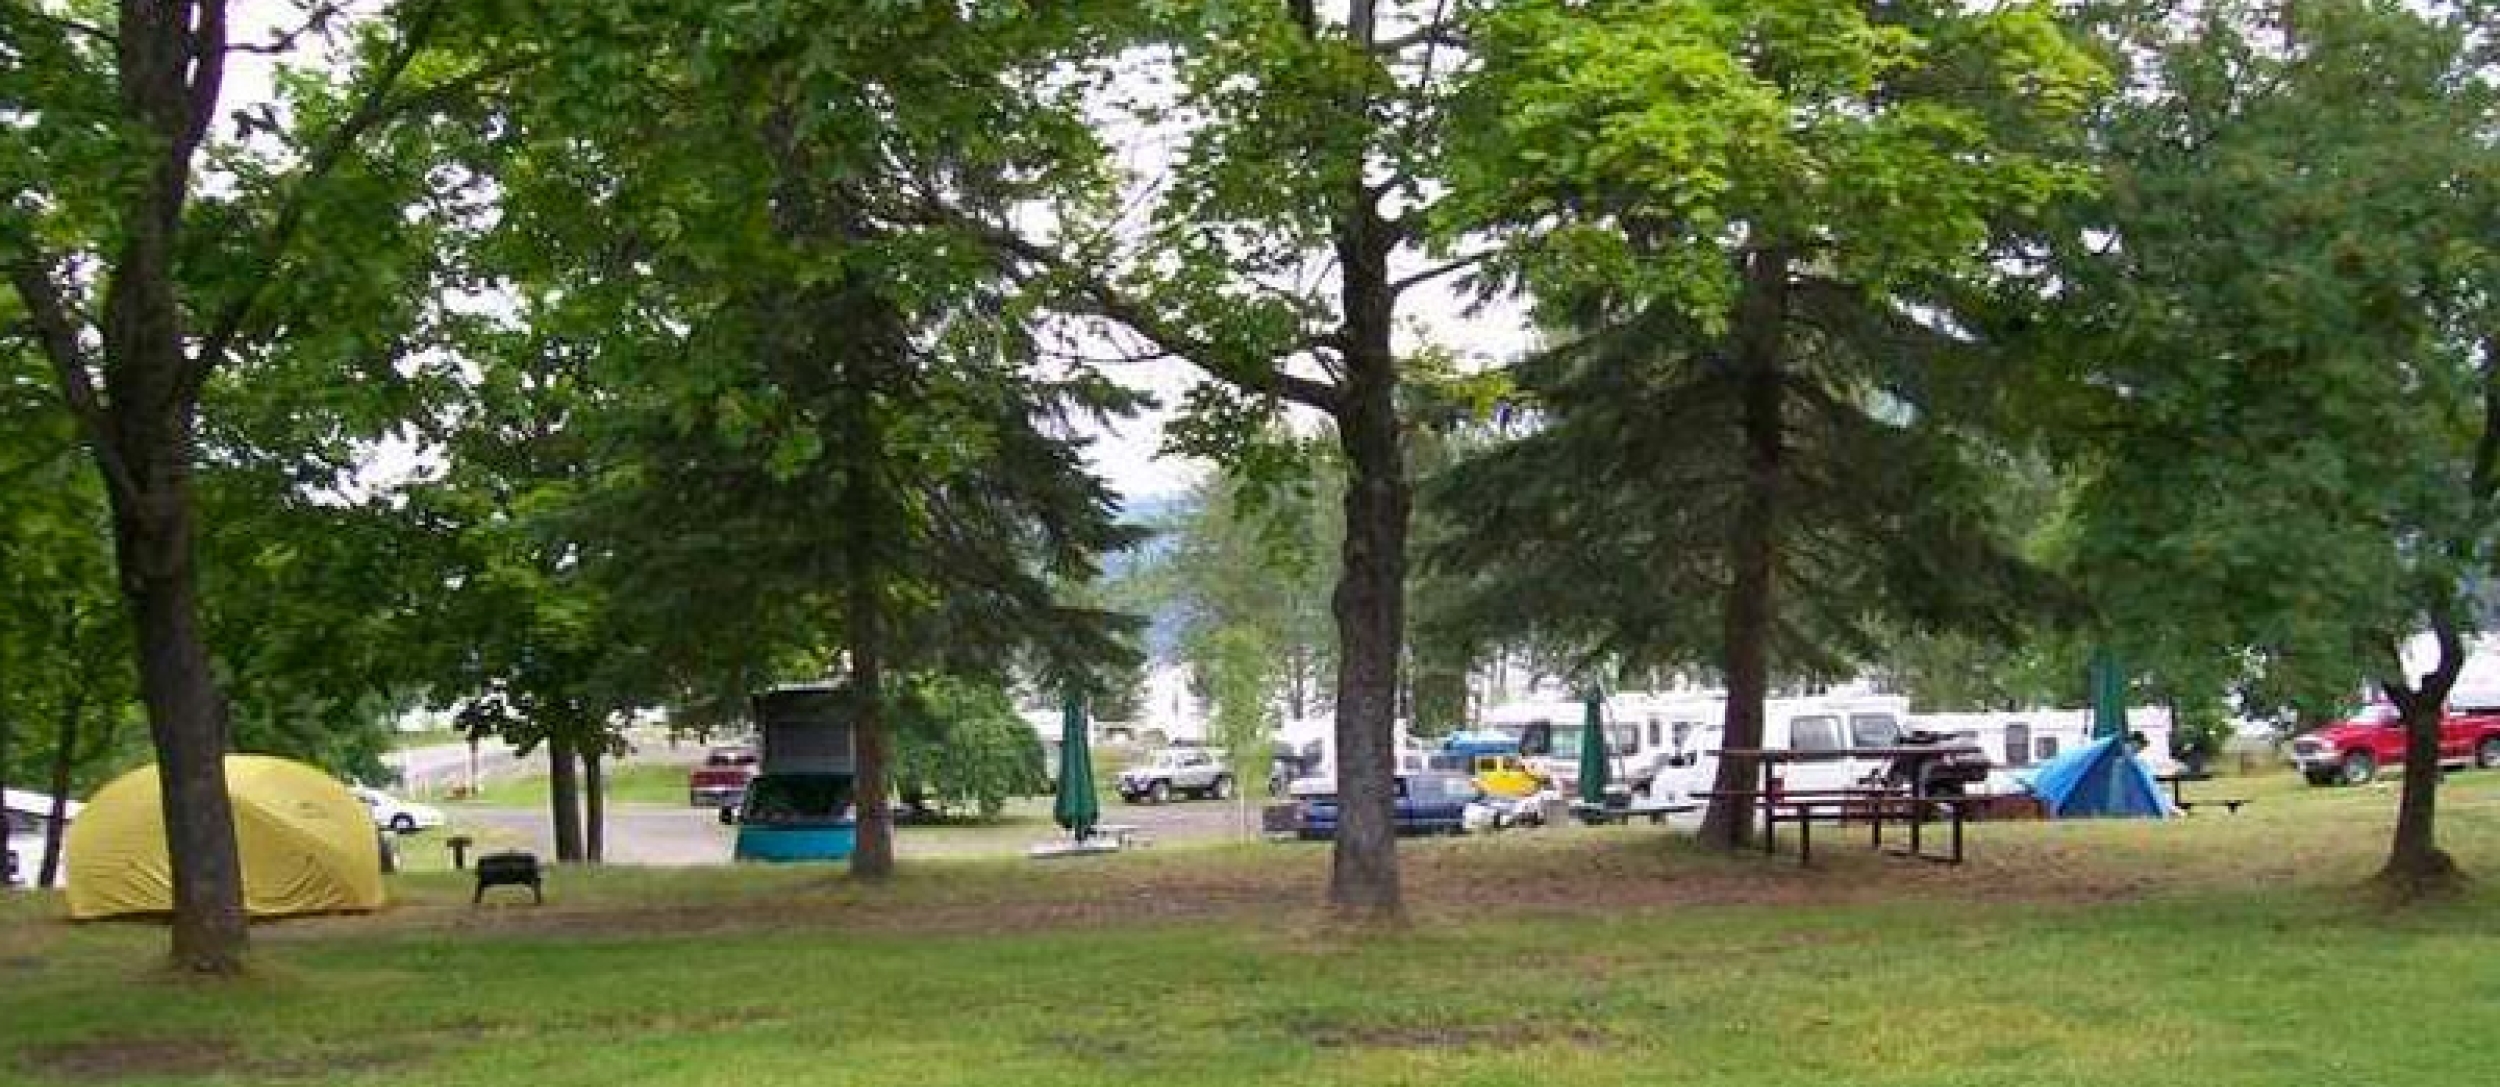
(1428, 803)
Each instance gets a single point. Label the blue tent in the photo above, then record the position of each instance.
(2102, 778)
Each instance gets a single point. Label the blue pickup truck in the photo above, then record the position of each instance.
(1428, 802)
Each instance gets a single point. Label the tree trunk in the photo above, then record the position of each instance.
(873, 857)
(1746, 614)
(2416, 867)
(595, 805)
(187, 721)
(564, 799)
(169, 59)
(64, 761)
(1370, 607)
(1370, 600)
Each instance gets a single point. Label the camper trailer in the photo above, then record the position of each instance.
(2017, 741)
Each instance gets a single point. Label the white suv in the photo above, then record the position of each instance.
(1180, 770)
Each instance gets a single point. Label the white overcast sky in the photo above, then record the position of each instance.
(1127, 453)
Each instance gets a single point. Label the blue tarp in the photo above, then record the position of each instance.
(1487, 742)
(2103, 778)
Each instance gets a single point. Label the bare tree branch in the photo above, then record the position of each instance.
(208, 71)
(284, 43)
(1101, 298)
(371, 111)
(1435, 34)
(1447, 267)
(57, 334)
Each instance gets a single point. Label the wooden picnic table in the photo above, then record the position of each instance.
(1876, 799)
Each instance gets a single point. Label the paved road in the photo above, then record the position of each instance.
(433, 771)
(672, 836)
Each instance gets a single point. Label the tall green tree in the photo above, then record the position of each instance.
(816, 395)
(1280, 256)
(1750, 226)
(141, 286)
(2275, 323)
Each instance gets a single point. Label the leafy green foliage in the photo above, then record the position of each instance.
(960, 744)
(2272, 383)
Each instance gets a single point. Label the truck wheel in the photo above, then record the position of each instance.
(1223, 789)
(1159, 792)
(2359, 768)
(2487, 753)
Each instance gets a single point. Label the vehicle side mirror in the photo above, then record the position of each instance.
(729, 817)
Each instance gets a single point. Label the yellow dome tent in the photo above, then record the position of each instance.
(308, 844)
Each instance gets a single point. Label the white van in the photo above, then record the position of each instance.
(1830, 723)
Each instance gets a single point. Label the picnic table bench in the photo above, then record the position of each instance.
(1105, 838)
(2231, 804)
(1602, 814)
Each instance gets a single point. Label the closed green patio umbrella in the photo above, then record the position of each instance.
(2109, 696)
(1593, 750)
(1075, 808)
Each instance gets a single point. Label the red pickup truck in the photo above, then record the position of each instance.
(2354, 751)
(721, 780)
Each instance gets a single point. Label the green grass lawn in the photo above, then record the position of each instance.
(2216, 950)
(637, 783)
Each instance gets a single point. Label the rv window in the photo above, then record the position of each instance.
(1655, 736)
(1623, 739)
(2018, 744)
(1684, 731)
(1873, 730)
(1814, 734)
(1537, 738)
(2045, 748)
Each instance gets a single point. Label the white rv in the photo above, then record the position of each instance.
(2018, 741)
(27, 815)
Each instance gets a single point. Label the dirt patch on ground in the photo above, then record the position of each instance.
(113, 1059)
(1453, 1036)
(134, 1058)
(1612, 872)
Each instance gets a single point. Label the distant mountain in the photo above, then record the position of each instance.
(1157, 511)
